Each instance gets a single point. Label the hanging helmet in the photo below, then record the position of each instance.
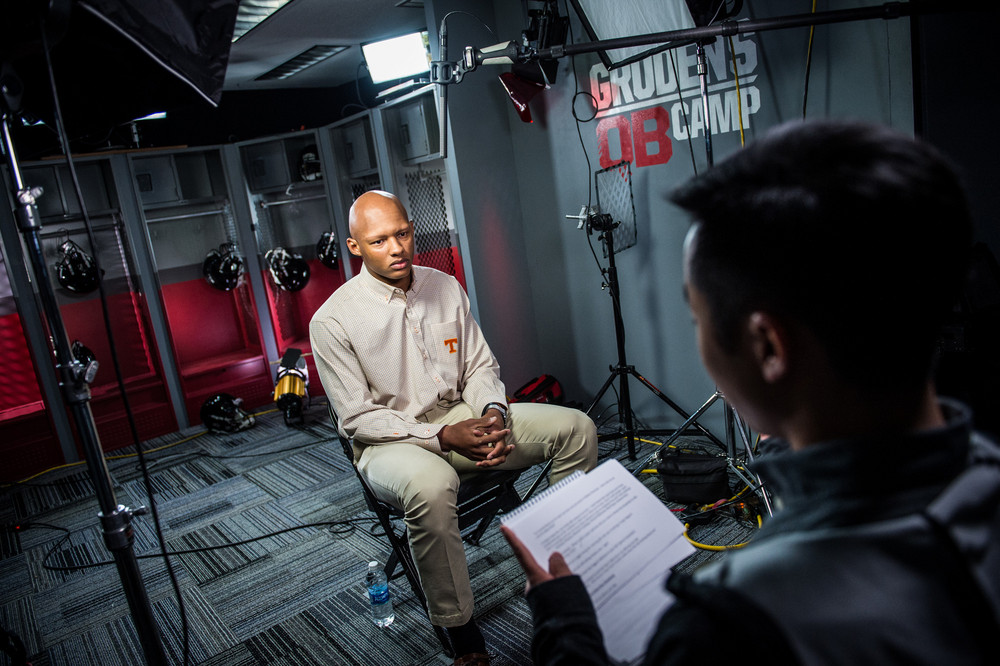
(288, 270)
(76, 270)
(309, 164)
(223, 268)
(326, 249)
(222, 413)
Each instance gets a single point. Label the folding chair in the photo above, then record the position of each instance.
(480, 498)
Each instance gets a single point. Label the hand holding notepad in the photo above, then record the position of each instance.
(619, 538)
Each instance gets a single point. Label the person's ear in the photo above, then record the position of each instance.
(352, 246)
(770, 345)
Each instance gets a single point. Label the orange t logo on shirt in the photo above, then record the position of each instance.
(450, 343)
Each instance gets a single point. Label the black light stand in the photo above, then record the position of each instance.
(74, 379)
(606, 225)
(733, 422)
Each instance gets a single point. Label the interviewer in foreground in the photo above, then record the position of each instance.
(820, 266)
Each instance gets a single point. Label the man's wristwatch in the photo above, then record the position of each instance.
(500, 407)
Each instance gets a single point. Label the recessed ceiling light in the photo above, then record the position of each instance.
(307, 58)
(252, 12)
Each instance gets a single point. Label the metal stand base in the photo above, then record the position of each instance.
(734, 425)
(623, 370)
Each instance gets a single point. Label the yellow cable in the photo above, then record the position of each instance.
(44, 471)
(121, 457)
(81, 462)
(739, 96)
(705, 546)
(809, 50)
(653, 441)
(159, 448)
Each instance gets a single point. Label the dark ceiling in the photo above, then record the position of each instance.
(302, 24)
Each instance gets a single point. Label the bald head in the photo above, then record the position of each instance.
(371, 204)
(382, 235)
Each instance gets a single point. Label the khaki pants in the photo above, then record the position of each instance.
(425, 486)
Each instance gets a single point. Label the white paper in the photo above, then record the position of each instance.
(619, 538)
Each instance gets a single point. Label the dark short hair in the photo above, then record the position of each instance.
(860, 232)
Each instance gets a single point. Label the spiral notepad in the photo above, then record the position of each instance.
(541, 496)
(619, 538)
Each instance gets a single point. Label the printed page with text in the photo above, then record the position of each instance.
(619, 538)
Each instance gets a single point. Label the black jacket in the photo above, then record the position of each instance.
(881, 552)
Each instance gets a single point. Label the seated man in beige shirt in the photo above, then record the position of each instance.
(416, 387)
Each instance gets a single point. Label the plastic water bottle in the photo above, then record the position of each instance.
(378, 595)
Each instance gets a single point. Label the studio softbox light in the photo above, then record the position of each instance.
(116, 60)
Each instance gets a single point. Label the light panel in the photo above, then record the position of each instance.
(398, 57)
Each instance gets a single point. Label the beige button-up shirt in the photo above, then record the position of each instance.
(386, 357)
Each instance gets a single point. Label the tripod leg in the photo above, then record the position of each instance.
(600, 394)
(624, 409)
(688, 423)
(625, 413)
(684, 426)
(743, 429)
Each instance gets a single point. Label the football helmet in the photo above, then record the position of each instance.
(223, 413)
(223, 268)
(288, 270)
(326, 249)
(309, 165)
(76, 270)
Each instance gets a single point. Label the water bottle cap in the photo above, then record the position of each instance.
(373, 565)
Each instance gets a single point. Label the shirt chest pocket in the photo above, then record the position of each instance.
(444, 344)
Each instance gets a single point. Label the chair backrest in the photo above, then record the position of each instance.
(345, 442)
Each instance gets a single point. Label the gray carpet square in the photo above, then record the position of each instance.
(277, 586)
